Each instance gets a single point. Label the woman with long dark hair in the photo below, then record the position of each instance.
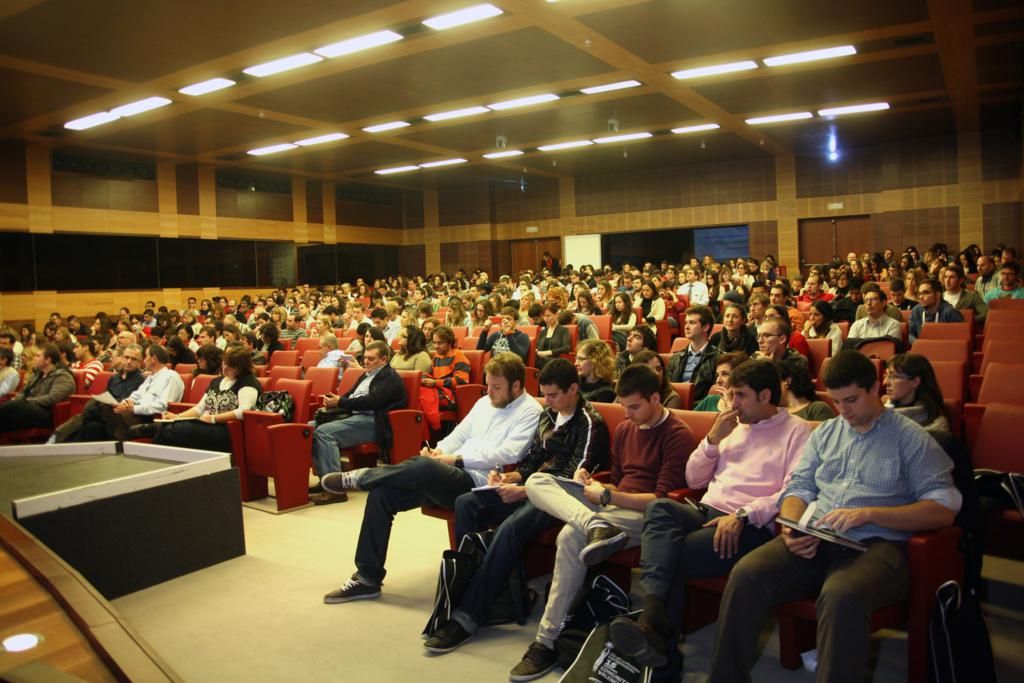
(623, 318)
(412, 351)
(735, 335)
(912, 390)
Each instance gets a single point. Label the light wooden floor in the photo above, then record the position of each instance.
(261, 617)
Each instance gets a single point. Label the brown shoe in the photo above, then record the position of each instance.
(327, 498)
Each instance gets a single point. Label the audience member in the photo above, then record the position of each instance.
(1009, 283)
(931, 308)
(696, 363)
(669, 396)
(744, 462)
(9, 377)
(496, 432)
(357, 417)
(819, 325)
(955, 295)
(86, 361)
(876, 324)
(988, 278)
(596, 368)
(203, 425)
(649, 452)
(734, 335)
(508, 338)
(639, 338)
(553, 339)
(450, 368)
(718, 399)
(912, 390)
(49, 384)
(798, 395)
(412, 351)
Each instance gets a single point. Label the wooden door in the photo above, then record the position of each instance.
(823, 238)
(526, 254)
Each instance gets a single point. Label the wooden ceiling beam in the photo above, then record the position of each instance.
(954, 34)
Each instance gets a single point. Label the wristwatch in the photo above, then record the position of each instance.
(606, 497)
(742, 514)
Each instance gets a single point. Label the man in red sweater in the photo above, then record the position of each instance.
(649, 453)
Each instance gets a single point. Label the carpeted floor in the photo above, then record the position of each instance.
(261, 617)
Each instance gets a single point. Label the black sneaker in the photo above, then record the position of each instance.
(639, 641)
(537, 661)
(603, 541)
(447, 637)
(354, 589)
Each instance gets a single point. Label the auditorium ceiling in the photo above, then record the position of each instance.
(924, 67)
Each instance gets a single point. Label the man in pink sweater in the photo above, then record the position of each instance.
(745, 461)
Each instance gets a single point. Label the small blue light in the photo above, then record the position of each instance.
(833, 156)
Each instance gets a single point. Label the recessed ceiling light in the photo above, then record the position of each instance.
(619, 85)
(622, 138)
(456, 113)
(346, 47)
(20, 642)
(854, 109)
(696, 129)
(443, 162)
(133, 108)
(396, 169)
(811, 56)
(260, 151)
(283, 64)
(91, 121)
(779, 118)
(503, 154)
(523, 101)
(320, 139)
(565, 145)
(204, 87)
(463, 16)
(715, 69)
(381, 127)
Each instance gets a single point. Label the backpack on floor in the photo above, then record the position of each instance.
(958, 642)
(599, 662)
(598, 603)
(457, 569)
(276, 402)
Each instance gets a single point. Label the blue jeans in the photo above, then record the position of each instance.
(393, 488)
(522, 523)
(344, 433)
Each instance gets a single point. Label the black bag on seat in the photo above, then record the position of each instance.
(958, 641)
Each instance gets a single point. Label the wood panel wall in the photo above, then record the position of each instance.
(954, 189)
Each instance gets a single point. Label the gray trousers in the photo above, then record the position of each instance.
(566, 502)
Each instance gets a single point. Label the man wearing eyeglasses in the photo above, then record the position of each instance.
(931, 308)
(121, 385)
(876, 324)
(773, 340)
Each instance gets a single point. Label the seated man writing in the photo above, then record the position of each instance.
(121, 385)
(496, 433)
(744, 462)
(874, 476)
(570, 435)
(649, 452)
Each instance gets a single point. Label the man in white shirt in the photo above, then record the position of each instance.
(693, 289)
(162, 387)
(876, 323)
(496, 432)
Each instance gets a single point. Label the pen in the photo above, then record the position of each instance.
(699, 507)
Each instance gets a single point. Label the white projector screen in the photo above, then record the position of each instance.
(579, 250)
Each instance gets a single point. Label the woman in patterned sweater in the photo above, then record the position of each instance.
(203, 425)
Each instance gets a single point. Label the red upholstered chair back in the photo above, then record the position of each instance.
(699, 422)
(283, 358)
(941, 349)
(200, 383)
(466, 397)
(992, 449)
(411, 379)
(285, 372)
(324, 380)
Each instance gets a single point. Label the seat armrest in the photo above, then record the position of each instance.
(179, 406)
(934, 558)
(973, 412)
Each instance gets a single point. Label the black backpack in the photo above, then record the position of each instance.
(599, 601)
(958, 640)
(457, 569)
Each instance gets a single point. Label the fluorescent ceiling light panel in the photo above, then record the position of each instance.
(456, 113)
(320, 139)
(347, 47)
(811, 56)
(779, 118)
(854, 109)
(272, 149)
(714, 70)
(619, 85)
(565, 145)
(622, 138)
(396, 169)
(391, 125)
(443, 162)
(504, 154)
(463, 16)
(283, 64)
(204, 87)
(91, 121)
(523, 101)
(696, 129)
(133, 108)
